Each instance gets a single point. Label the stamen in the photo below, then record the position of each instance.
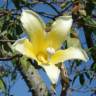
(51, 50)
(42, 58)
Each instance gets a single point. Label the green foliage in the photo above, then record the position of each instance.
(93, 67)
(90, 22)
(2, 85)
(11, 30)
(90, 5)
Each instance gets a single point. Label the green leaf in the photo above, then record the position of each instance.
(63, 5)
(93, 67)
(87, 75)
(18, 3)
(81, 79)
(75, 77)
(13, 76)
(90, 21)
(5, 25)
(2, 85)
(54, 0)
(89, 7)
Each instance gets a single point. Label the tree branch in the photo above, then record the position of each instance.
(10, 57)
(7, 41)
(63, 11)
(33, 80)
(64, 80)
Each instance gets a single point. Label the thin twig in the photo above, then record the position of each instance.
(64, 80)
(10, 57)
(63, 11)
(49, 4)
(83, 91)
(7, 41)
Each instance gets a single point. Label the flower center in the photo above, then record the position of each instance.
(42, 58)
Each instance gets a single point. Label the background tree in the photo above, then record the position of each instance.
(84, 16)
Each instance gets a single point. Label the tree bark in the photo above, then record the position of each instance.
(64, 80)
(36, 85)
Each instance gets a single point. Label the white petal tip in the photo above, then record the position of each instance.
(86, 58)
(53, 73)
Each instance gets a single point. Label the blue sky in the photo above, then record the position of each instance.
(20, 88)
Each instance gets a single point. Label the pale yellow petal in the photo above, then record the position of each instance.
(34, 27)
(73, 42)
(24, 47)
(32, 23)
(59, 31)
(53, 72)
(68, 54)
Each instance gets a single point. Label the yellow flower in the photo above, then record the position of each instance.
(44, 47)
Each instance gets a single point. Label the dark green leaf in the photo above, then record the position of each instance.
(13, 76)
(93, 67)
(75, 77)
(81, 79)
(87, 75)
(78, 62)
(89, 7)
(54, 0)
(5, 26)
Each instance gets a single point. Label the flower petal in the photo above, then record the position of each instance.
(25, 47)
(53, 72)
(73, 42)
(34, 27)
(59, 31)
(68, 54)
